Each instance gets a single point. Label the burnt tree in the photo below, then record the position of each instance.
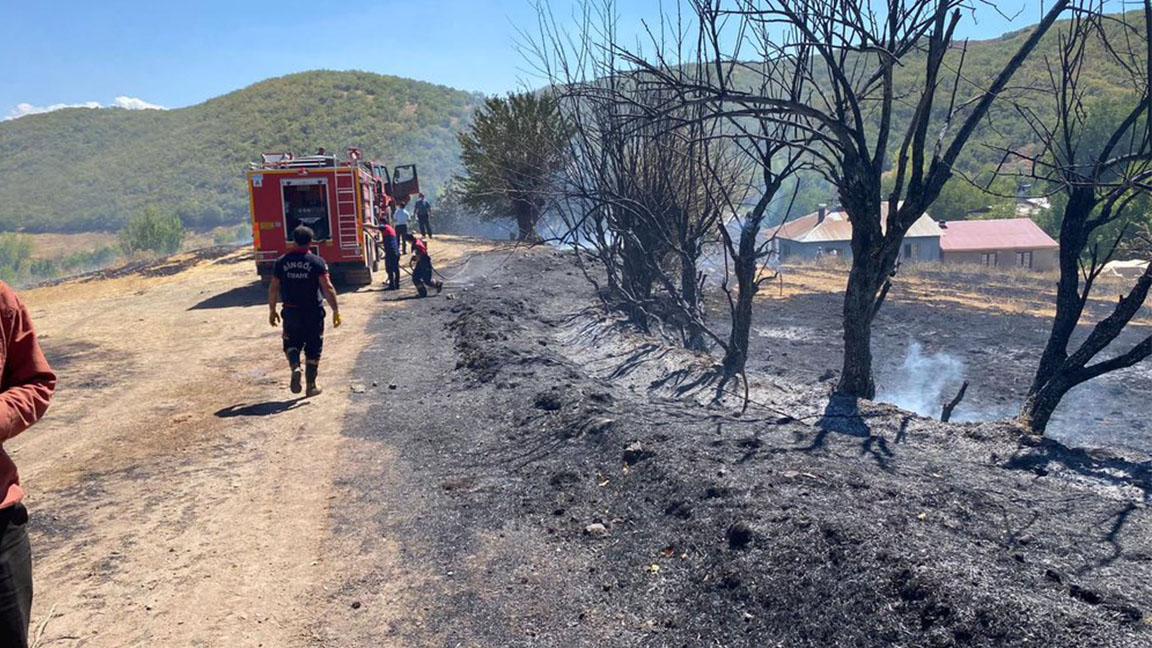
(622, 105)
(1098, 157)
(847, 52)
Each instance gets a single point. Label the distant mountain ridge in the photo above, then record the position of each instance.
(86, 169)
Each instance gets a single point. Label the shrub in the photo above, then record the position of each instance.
(15, 256)
(152, 231)
(231, 235)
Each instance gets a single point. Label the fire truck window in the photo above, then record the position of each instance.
(405, 174)
(307, 205)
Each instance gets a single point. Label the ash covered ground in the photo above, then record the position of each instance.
(988, 329)
(525, 472)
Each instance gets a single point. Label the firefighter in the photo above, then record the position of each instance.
(423, 210)
(422, 269)
(391, 246)
(400, 217)
(26, 387)
(300, 278)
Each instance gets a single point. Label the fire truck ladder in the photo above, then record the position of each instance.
(346, 226)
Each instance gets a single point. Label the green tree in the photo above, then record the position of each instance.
(152, 231)
(511, 156)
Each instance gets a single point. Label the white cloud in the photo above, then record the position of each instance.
(23, 109)
(134, 103)
(126, 103)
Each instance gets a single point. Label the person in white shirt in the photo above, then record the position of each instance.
(401, 220)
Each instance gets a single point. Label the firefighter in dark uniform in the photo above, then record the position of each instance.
(390, 243)
(423, 210)
(422, 270)
(300, 279)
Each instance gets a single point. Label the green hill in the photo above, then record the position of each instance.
(1104, 79)
(84, 169)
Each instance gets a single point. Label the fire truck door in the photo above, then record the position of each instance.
(405, 182)
(385, 178)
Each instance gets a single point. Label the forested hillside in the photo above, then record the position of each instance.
(1108, 84)
(84, 169)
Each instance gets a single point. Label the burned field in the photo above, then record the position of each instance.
(943, 325)
(532, 474)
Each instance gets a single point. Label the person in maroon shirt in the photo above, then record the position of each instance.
(26, 387)
(422, 267)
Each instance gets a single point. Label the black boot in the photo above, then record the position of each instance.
(310, 372)
(294, 383)
(294, 364)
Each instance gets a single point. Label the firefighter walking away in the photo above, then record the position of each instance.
(422, 269)
(300, 279)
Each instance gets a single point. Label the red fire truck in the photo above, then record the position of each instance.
(334, 197)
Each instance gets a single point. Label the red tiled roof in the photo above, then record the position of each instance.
(988, 235)
(837, 227)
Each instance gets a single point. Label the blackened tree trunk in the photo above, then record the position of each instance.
(1042, 403)
(526, 217)
(868, 284)
(874, 257)
(1100, 178)
(859, 298)
(745, 267)
(1069, 303)
(690, 295)
(637, 279)
(1060, 371)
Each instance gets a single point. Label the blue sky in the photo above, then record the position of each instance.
(138, 53)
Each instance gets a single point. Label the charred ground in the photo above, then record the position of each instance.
(524, 472)
(990, 324)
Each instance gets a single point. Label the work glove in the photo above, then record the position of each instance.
(336, 320)
(274, 318)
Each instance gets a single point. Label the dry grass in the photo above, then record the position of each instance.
(59, 246)
(1010, 291)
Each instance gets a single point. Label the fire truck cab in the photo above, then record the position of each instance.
(334, 197)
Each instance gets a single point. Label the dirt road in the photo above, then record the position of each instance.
(180, 494)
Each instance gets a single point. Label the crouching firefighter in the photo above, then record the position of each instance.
(422, 269)
(299, 279)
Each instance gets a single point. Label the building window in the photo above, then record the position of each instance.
(1024, 259)
(989, 259)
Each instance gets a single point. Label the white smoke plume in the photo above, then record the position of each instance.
(924, 382)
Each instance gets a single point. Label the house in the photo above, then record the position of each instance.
(1031, 207)
(1003, 243)
(826, 233)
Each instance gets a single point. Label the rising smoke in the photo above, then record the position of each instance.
(923, 381)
